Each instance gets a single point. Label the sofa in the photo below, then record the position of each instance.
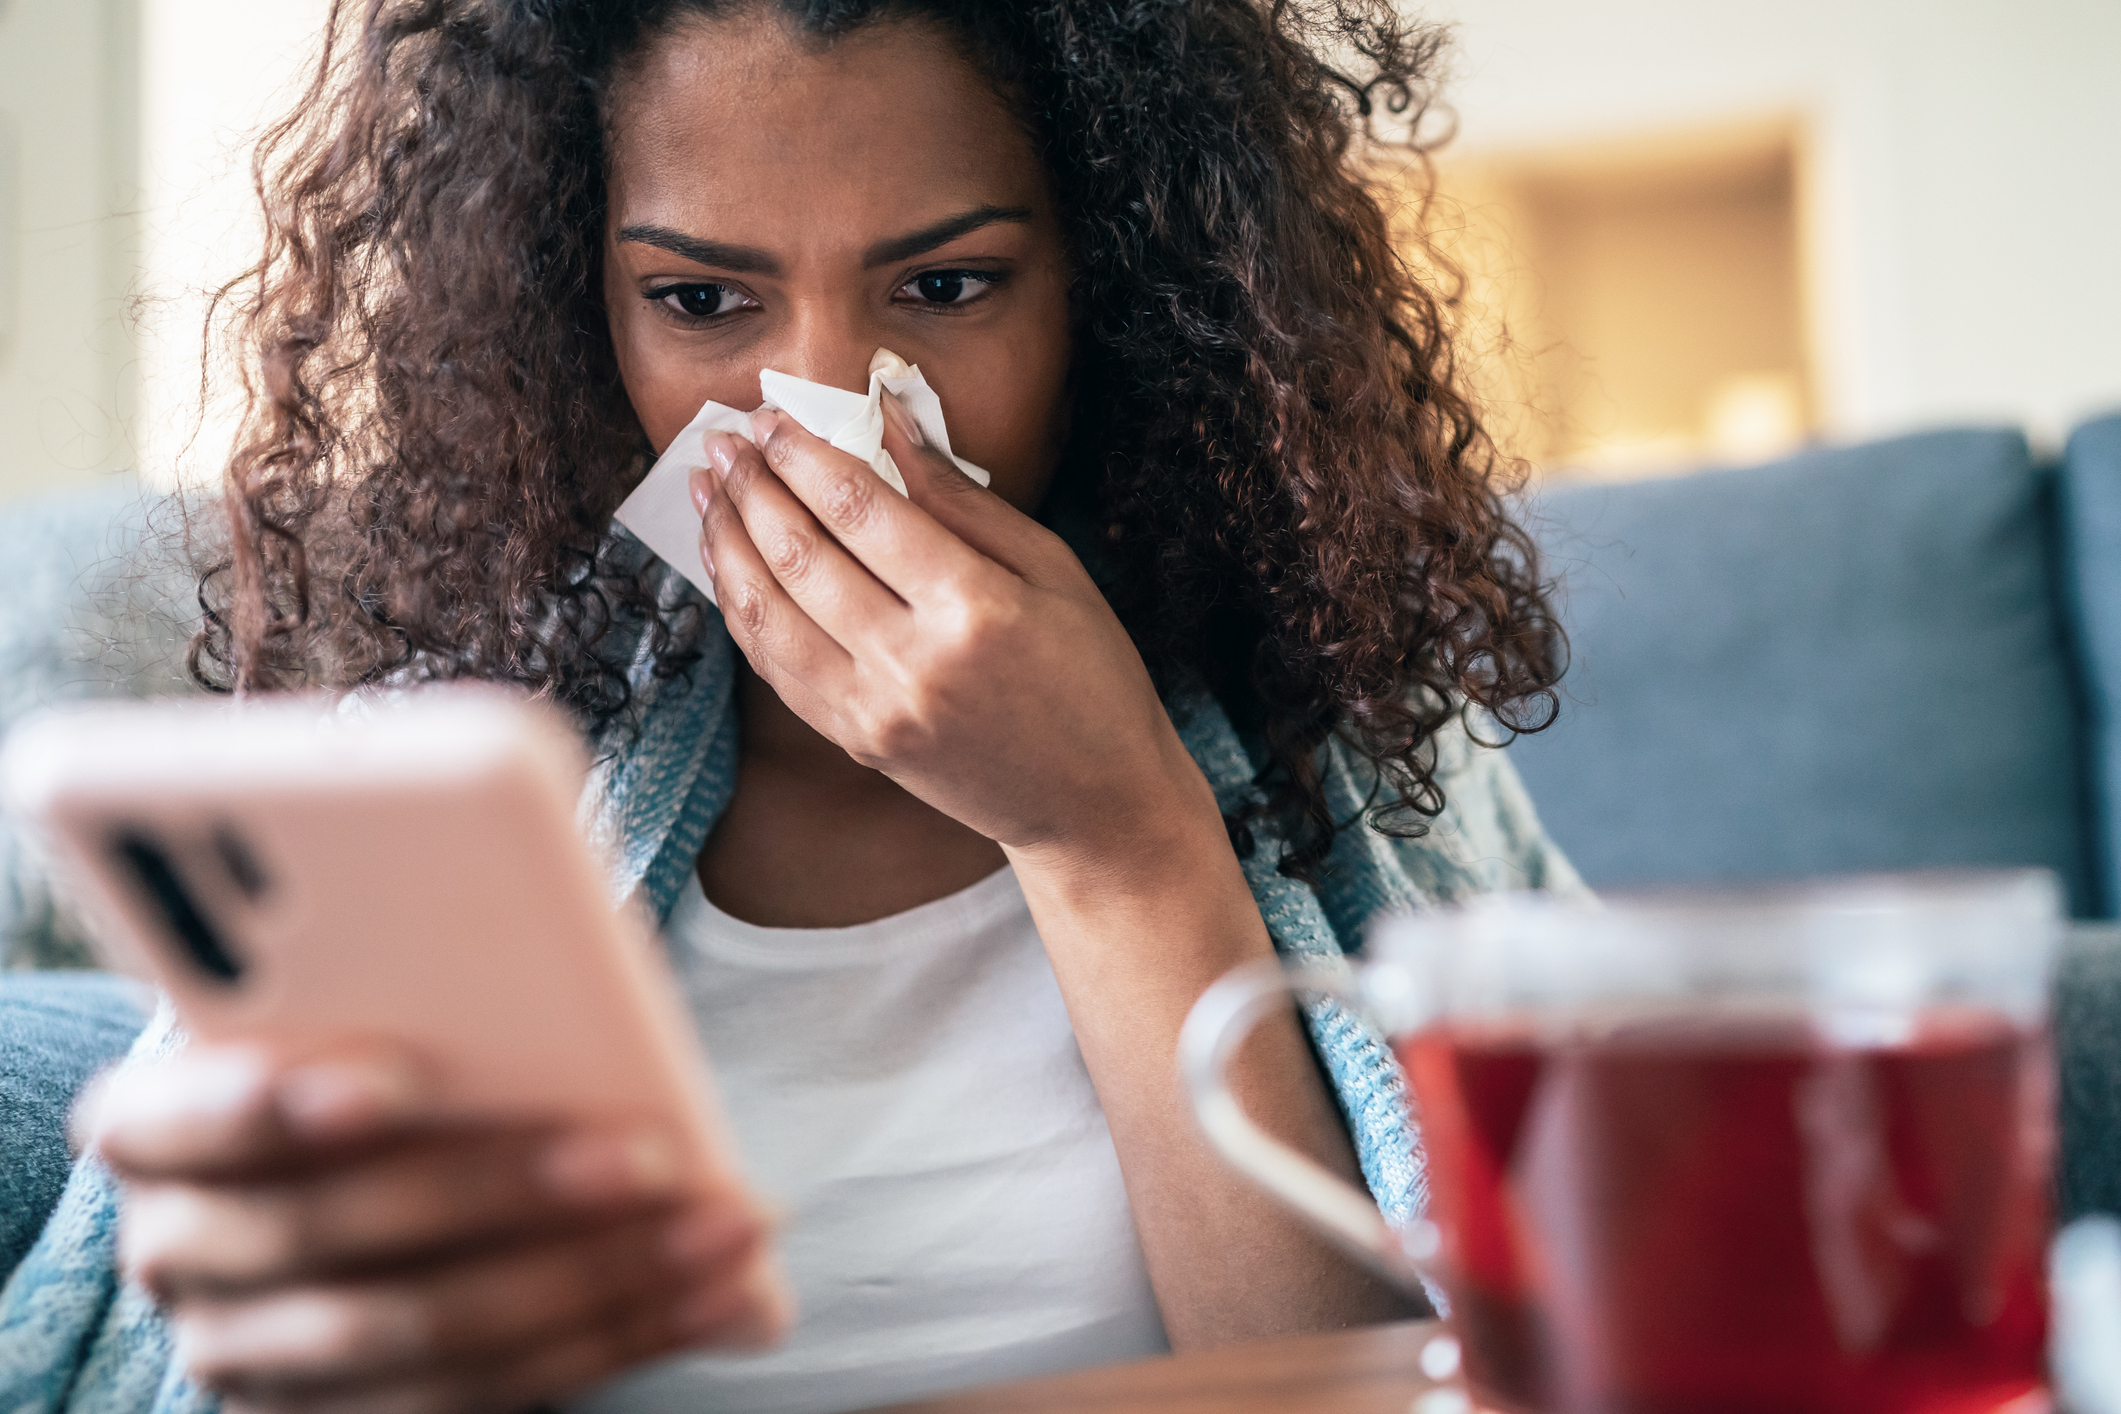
(1895, 656)
(1903, 655)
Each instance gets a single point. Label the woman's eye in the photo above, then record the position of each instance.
(698, 301)
(947, 286)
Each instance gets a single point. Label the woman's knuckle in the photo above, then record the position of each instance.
(789, 555)
(846, 505)
(780, 451)
(979, 634)
(894, 735)
(993, 621)
(959, 630)
(867, 723)
(744, 605)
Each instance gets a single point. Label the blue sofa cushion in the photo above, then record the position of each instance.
(57, 1029)
(1852, 660)
(2090, 502)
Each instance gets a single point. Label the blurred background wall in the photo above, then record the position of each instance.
(70, 127)
(1694, 232)
(1903, 213)
(216, 71)
(124, 198)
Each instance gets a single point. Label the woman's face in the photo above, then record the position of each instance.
(780, 204)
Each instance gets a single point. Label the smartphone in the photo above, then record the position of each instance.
(299, 873)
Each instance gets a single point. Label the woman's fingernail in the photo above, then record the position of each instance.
(701, 484)
(221, 1078)
(901, 420)
(762, 424)
(604, 1168)
(706, 554)
(198, 1083)
(721, 451)
(341, 1097)
(700, 1239)
(266, 1331)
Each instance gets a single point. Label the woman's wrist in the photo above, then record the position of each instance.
(1165, 819)
(1142, 919)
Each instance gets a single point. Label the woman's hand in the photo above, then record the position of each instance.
(321, 1243)
(947, 640)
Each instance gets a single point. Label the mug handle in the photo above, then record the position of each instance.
(1341, 1212)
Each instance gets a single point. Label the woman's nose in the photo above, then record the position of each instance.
(827, 348)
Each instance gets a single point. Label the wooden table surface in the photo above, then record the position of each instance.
(1376, 1370)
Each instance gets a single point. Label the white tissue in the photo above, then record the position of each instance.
(660, 509)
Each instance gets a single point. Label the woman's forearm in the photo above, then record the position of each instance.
(1137, 928)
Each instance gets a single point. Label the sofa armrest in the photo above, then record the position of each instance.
(2088, 1066)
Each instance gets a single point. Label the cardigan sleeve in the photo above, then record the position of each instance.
(1488, 838)
(75, 1337)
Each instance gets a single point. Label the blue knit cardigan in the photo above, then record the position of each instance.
(75, 1337)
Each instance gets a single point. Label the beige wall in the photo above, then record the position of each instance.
(1635, 307)
(125, 125)
(1964, 174)
(216, 72)
(68, 191)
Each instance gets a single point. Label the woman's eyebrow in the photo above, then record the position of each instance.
(943, 232)
(744, 259)
(748, 260)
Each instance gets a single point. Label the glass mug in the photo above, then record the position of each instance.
(1778, 1149)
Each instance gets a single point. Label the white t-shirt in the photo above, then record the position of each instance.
(911, 1093)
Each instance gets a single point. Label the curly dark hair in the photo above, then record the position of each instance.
(1287, 491)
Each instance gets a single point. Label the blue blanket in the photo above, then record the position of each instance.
(74, 1336)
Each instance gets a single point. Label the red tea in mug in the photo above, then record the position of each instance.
(1737, 1212)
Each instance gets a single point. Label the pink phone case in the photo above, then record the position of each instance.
(410, 870)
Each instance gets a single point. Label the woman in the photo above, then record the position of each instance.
(996, 781)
